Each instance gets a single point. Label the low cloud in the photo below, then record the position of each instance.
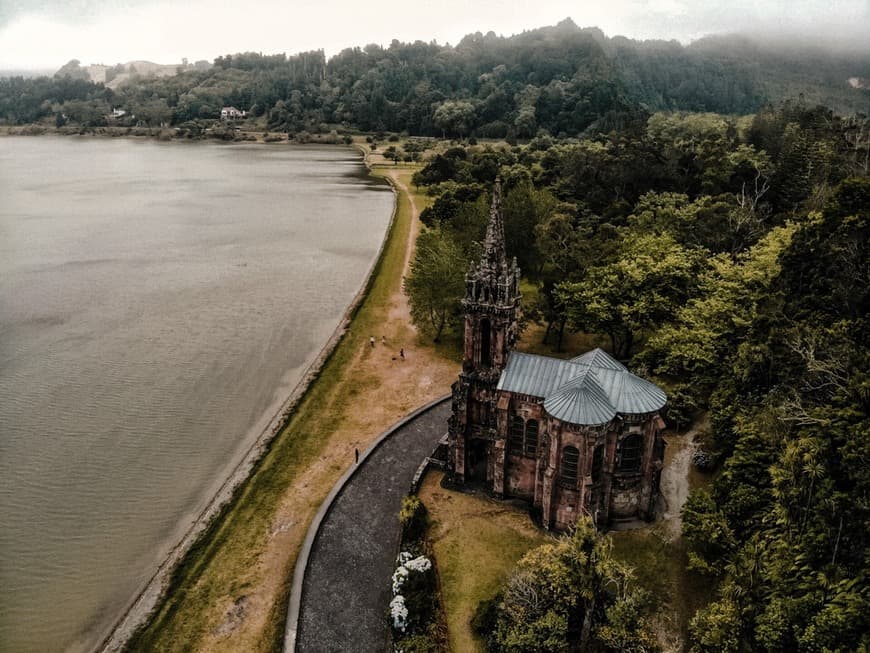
(43, 33)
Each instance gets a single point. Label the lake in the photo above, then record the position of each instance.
(158, 302)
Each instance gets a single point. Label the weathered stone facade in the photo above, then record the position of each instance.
(570, 437)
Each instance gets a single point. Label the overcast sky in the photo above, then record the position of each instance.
(48, 33)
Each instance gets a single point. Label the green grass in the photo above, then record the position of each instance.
(220, 558)
(476, 543)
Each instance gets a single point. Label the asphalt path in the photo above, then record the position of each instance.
(346, 587)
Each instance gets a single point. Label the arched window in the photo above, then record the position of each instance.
(531, 448)
(597, 463)
(630, 453)
(570, 459)
(485, 336)
(515, 436)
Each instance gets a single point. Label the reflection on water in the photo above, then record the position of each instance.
(157, 301)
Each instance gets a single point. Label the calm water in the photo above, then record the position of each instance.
(157, 301)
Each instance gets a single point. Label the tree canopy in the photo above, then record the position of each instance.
(562, 79)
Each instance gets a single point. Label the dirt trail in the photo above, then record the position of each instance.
(675, 480)
(400, 309)
(376, 389)
(677, 476)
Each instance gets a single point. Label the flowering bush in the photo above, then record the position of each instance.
(399, 613)
(413, 587)
(414, 607)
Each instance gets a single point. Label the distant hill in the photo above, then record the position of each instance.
(562, 79)
(27, 73)
(119, 74)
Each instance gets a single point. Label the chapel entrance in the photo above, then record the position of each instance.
(477, 460)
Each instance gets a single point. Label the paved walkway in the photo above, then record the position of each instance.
(346, 590)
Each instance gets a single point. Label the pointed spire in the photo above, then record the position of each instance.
(493, 245)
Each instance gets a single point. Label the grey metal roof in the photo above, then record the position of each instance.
(599, 358)
(581, 401)
(590, 389)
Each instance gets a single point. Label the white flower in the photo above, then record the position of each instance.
(399, 577)
(399, 612)
(406, 566)
(420, 563)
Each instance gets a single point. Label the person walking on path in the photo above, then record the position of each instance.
(372, 341)
(402, 353)
(356, 456)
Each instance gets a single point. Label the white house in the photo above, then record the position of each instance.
(231, 113)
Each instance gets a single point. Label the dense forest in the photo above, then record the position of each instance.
(725, 257)
(562, 79)
(728, 260)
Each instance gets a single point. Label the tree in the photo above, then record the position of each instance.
(454, 116)
(571, 596)
(716, 629)
(436, 282)
(708, 326)
(524, 209)
(73, 70)
(650, 279)
(564, 245)
(707, 532)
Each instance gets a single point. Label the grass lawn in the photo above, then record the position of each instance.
(230, 591)
(476, 543)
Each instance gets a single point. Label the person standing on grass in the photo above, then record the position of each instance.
(372, 341)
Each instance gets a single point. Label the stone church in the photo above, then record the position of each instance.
(571, 437)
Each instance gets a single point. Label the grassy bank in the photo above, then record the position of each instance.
(230, 592)
(476, 542)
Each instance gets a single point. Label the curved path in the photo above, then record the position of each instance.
(345, 589)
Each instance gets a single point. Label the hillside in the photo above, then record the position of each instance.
(119, 74)
(562, 79)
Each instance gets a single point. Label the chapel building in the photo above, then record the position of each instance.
(572, 437)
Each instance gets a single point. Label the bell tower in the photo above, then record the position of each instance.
(491, 305)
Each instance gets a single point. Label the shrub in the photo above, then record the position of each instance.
(484, 619)
(413, 519)
(681, 407)
(413, 604)
(417, 644)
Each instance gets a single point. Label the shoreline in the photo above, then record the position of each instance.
(143, 604)
(171, 135)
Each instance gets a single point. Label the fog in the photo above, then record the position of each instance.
(48, 33)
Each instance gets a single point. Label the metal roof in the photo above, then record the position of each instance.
(581, 401)
(600, 358)
(590, 389)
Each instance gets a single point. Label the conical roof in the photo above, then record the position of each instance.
(629, 393)
(581, 401)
